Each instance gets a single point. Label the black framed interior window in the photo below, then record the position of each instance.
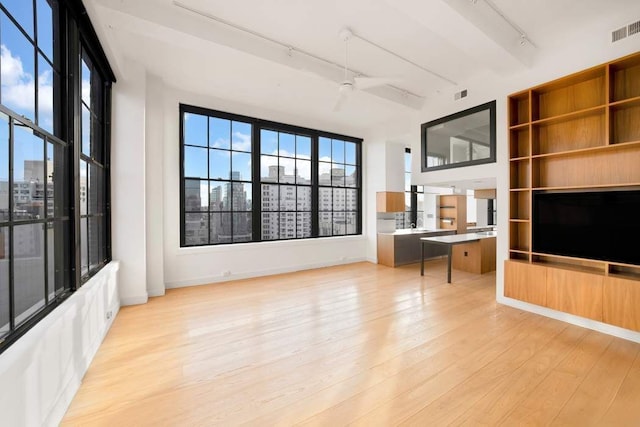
(248, 180)
(43, 165)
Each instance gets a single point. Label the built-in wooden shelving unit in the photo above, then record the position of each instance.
(453, 212)
(578, 132)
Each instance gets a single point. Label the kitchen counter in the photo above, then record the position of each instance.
(403, 246)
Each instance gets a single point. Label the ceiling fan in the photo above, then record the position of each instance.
(357, 82)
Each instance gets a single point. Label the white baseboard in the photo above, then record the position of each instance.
(570, 318)
(260, 273)
(156, 292)
(134, 300)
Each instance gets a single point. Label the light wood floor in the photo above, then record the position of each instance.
(357, 344)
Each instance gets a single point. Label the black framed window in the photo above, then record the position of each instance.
(94, 241)
(305, 183)
(413, 214)
(40, 150)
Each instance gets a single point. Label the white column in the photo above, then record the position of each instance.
(128, 183)
(154, 196)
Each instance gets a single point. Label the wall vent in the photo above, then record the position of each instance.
(460, 95)
(619, 34)
(626, 31)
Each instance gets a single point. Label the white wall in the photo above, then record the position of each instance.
(128, 183)
(591, 50)
(154, 192)
(42, 371)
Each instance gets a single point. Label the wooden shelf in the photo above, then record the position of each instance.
(586, 150)
(453, 212)
(582, 132)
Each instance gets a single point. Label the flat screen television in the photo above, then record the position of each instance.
(600, 225)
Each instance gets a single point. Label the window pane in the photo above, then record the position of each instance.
(4, 280)
(400, 221)
(269, 168)
(83, 188)
(270, 228)
(84, 253)
(196, 194)
(303, 224)
(287, 145)
(270, 199)
(95, 188)
(407, 202)
(350, 153)
(351, 221)
(218, 197)
(196, 229)
(337, 175)
(407, 182)
(339, 199)
(45, 28)
(326, 201)
(241, 166)
(219, 132)
(95, 241)
(241, 195)
(407, 162)
(242, 227)
(337, 151)
(28, 174)
(4, 168)
(195, 162)
(219, 164)
(268, 142)
(351, 176)
(22, 11)
(304, 199)
(287, 198)
(339, 223)
(195, 129)
(220, 228)
(86, 81)
(352, 200)
(287, 225)
(324, 173)
(324, 149)
(86, 131)
(303, 168)
(28, 270)
(241, 136)
(325, 227)
(287, 170)
(96, 140)
(59, 250)
(420, 206)
(303, 147)
(45, 95)
(17, 64)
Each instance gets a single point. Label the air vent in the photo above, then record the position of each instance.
(460, 95)
(626, 31)
(618, 34)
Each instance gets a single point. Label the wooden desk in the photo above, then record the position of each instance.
(458, 239)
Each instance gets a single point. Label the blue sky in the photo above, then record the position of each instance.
(18, 69)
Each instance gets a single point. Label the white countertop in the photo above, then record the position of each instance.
(460, 238)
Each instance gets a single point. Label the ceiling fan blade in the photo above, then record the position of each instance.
(369, 82)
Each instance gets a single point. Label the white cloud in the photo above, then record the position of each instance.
(18, 87)
(241, 141)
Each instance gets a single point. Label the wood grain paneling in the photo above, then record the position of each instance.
(575, 292)
(574, 93)
(386, 247)
(453, 207)
(525, 282)
(485, 193)
(570, 134)
(625, 124)
(519, 173)
(625, 78)
(390, 201)
(621, 306)
(519, 143)
(488, 259)
(520, 206)
(467, 257)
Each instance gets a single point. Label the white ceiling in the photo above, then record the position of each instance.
(457, 39)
